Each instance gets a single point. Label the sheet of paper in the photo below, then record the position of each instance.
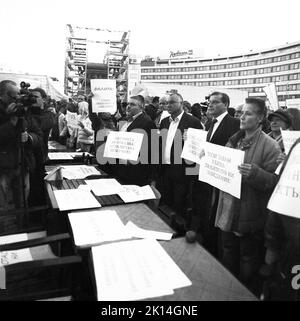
(72, 119)
(136, 231)
(123, 145)
(54, 174)
(76, 154)
(193, 148)
(8, 239)
(104, 95)
(134, 193)
(286, 196)
(146, 271)
(98, 226)
(219, 168)
(55, 156)
(289, 137)
(72, 199)
(15, 256)
(104, 186)
(78, 171)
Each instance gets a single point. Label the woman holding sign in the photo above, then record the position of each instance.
(242, 221)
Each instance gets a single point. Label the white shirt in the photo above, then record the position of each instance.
(219, 120)
(170, 137)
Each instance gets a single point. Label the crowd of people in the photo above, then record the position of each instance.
(248, 239)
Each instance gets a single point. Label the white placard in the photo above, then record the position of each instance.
(136, 231)
(59, 156)
(219, 168)
(95, 227)
(286, 196)
(134, 193)
(78, 171)
(293, 103)
(73, 199)
(104, 99)
(289, 137)
(105, 186)
(147, 271)
(194, 145)
(123, 145)
(72, 119)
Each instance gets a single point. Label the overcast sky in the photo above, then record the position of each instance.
(33, 32)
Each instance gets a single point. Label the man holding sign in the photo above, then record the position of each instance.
(241, 221)
(138, 122)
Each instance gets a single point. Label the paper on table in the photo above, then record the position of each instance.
(84, 187)
(78, 171)
(8, 239)
(136, 231)
(141, 274)
(74, 154)
(105, 186)
(54, 156)
(134, 193)
(72, 199)
(95, 227)
(15, 256)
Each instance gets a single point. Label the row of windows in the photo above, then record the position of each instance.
(225, 66)
(228, 82)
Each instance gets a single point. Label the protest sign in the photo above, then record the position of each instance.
(289, 137)
(219, 168)
(194, 145)
(286, 196)
(72, 119)
(123, 145)
(104, 99)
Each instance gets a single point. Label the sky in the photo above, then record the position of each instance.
(33, 32)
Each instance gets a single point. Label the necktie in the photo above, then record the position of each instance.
(211, 129)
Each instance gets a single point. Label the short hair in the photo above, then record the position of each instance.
(3, 85)
(187, 105)
(178, 95)
(260, 104)
(224, 97)
(140, 99)
(41, 91)
(155, 99)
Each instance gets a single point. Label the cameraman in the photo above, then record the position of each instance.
(17, 129)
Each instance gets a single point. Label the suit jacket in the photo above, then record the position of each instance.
(186, 121)
(139, 174)
(228, 126)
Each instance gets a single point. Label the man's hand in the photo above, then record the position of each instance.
(24, 137)
(245, 169)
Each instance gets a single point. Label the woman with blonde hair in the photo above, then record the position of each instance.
(85, 136)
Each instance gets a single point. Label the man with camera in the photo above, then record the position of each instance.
(19, 136)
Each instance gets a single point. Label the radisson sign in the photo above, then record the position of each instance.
(181, 53)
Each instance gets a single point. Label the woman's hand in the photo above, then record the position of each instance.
(245, 169)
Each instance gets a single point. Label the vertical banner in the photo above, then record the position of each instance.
(286, 196)
(270, 91)
(219, 168)
(104, 99)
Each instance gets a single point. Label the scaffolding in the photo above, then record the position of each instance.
(115, 46)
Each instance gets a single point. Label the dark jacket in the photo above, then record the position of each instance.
(139, 174)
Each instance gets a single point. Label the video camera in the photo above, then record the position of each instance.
(26, 99)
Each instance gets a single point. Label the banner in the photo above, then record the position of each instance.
(123, 145)
(219, 168)
(72, 119)
(293, 103)
(289, 137)
(104, 99)
(286, 196)
(270, 91)
(193, 148)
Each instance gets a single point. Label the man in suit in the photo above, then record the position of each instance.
(205, 197)
(173, 169)
(137, 121)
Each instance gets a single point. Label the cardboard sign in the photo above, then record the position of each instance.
(104, 99)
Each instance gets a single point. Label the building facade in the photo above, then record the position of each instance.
(251, 71)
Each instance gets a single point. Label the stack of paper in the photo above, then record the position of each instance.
(134, 193)
(73, 199)
(136, 231)
(106, 186)
(78, 171)
(134, 270)
(95, 227)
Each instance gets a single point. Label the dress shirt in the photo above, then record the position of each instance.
(217, 124)
(170, 137)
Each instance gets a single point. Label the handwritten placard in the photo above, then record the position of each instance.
(193, 148)
(286, 196)
(219, 168)
(123, 145)
(104, 99)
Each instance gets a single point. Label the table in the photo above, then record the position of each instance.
(56, 146)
